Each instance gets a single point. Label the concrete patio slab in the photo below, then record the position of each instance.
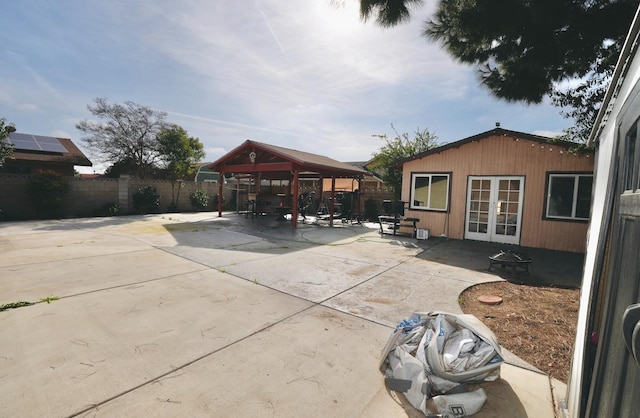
(195, 315)
(394, 295)
(307, 275)
(296, 368)
(81, 273)
(61, 357)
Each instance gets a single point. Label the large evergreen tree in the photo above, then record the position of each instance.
(525, 49)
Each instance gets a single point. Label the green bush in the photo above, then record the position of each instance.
(108, 209)
(46, 192)
(199, 199)
(146, 199)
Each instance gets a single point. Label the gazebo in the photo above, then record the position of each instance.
(261, 161)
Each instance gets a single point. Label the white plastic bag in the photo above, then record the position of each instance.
(430, 355)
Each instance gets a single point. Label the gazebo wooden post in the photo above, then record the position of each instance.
(220, 181)
(237, 195)
(294, 200)
(358, 201)
(333, 198)
(321, 191)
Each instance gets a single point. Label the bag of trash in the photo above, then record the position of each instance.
(432, 357)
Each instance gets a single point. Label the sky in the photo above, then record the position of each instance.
(306, 74)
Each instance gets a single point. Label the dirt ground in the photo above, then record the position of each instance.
(536, 323)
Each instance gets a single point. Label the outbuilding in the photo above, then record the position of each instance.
(502, 186)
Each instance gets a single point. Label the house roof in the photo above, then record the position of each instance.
(72, 156)
(484, 135)
(278, 162)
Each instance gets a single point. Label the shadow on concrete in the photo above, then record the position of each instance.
(548, 268)
(266, 234)
(500, 397)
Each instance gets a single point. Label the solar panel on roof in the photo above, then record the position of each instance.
(49, 143)
(36, 143)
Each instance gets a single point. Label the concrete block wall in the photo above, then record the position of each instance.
(87, 197)
(13, 197)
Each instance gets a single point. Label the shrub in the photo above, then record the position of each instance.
(108, 209)
(46, 192)
(199, 199)
(146, 199)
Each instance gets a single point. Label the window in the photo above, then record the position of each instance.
(430, 191)
(569, 196)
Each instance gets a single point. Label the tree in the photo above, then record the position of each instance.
(6, 149)
(128, 133)
(179, 153)
(525, 49)
(401, 146)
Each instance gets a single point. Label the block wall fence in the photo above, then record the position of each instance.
(87, 197)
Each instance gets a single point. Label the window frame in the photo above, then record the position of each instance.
(415, 175)
(574, 206)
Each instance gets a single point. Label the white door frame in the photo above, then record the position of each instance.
(490, 212)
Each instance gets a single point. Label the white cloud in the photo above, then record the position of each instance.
(303, 74)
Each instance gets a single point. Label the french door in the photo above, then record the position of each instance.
(494, 208)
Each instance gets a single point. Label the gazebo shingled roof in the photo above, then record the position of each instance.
(272, 159)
